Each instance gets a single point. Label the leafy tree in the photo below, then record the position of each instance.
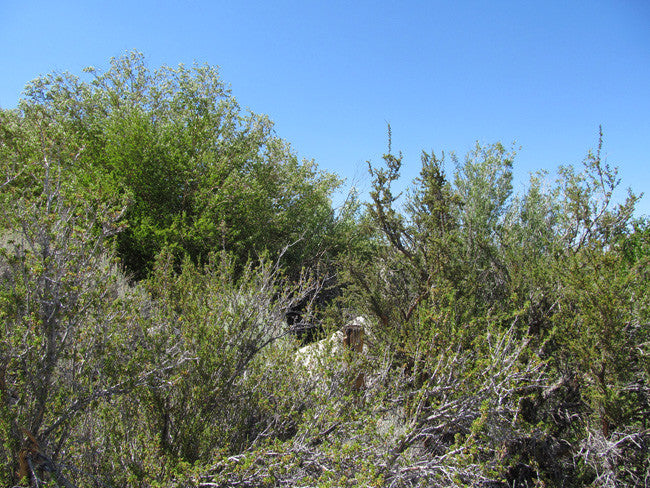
(200, 174)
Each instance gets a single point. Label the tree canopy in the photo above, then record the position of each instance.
(196, 172)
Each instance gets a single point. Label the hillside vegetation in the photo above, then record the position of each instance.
(164, 255)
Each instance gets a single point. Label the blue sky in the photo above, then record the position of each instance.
(331, 74)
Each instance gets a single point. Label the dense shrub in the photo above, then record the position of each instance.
(154, 239)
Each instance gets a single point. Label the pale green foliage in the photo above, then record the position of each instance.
(234, 388)
(226, 325)
(69, 334)
(484, 186)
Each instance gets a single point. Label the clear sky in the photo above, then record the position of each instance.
(332, 73)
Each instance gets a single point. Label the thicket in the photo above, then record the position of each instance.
(154, 239)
